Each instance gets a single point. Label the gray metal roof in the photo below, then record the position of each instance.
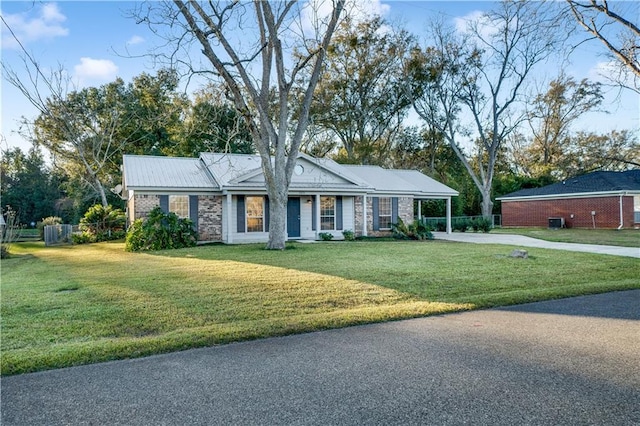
(172, 173)
(400, 181)
(216, 171)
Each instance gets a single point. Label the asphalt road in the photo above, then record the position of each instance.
(566, 362)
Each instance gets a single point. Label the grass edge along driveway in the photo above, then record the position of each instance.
(74, 305)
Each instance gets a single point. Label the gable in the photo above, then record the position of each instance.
(145, 172)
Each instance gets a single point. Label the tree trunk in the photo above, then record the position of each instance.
(277, 221)
(487, 204)
(100, 188)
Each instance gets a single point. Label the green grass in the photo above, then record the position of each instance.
(73, 305)
(610, 237)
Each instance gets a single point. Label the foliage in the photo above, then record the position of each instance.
(28, 185)
(51, 220)
(361, 100)
(83, 238)
(103, 224)
(325, 236)
(481, 224)
(160, 231)
(417, 230)
(348, 235)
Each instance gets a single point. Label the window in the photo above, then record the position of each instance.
(636, 208)
(384, 212)
(179, 204)
(327, 213)
(255, 214)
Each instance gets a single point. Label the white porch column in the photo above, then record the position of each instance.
(317, 214)
(448, 215)
(229, 219)
(419, 210)
(364, 215)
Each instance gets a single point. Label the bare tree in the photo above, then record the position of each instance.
(620, 35)
(474, 83)
(245, 45)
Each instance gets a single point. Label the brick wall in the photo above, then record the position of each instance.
(538, 212)
(209, 213)
(405, 212)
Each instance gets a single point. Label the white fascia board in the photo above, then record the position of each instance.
(574, 195)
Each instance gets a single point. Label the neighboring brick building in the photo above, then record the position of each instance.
(595, 200)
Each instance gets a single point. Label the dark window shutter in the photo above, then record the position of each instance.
(266, 214)
(314, 219)
(338, 213)
(241, 213)
(394, 210)
(193, 210)
(375, 213)
(164, 203)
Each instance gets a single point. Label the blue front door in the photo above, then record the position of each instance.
(293, 217)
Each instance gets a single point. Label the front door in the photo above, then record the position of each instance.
(293, 217)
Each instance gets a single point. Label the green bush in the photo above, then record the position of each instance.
(83, 238)
(325, 236)
(103, 223)
(481, 224)
(51, 220)
(348, 235)
(417, 230)
(160, 231)
(460, 224)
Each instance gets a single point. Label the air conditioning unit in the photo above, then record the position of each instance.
(556, 222)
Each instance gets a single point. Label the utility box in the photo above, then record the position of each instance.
(556, 222)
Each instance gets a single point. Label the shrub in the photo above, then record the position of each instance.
(460, 224)
(8, 233)
(82, 238)
(160, 231)
(103, 223)
(326, 236)
(348, 235)
(481, 224)
(51, 220)
(417, 230)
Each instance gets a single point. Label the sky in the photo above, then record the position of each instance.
(97, 41)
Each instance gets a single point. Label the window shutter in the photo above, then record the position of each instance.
(375, 213)
(338, 213)
(241, 212)
(314, 219)
(394, 210)
(164, 203)
(193, 210)
(266, 214)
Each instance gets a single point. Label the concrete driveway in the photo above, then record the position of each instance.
(566, 362)
(522, 241)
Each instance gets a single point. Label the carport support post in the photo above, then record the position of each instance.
(229, 219)
(448, 215)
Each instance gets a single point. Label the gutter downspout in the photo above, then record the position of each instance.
(621, 215)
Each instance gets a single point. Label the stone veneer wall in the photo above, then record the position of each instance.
(209, 214)
(405, 212)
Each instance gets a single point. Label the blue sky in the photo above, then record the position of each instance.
(96, 42)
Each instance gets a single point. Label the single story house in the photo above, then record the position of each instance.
(596, 200)
(226, 197)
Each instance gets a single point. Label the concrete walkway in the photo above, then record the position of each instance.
(522, 241)
(572, 361)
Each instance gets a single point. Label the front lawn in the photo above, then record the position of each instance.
(607, 237)
(72, 305)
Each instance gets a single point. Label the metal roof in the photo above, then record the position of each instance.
(172, 173)
(217, 171)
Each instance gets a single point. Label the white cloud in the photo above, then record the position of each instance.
(478, 20)
(95, 70)
(45, 25)
(135, 40)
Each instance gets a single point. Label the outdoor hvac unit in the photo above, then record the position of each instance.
(556, 222)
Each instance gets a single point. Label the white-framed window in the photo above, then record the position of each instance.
(179, 204)
(384, 212)
(327, 213)
(255, 214)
